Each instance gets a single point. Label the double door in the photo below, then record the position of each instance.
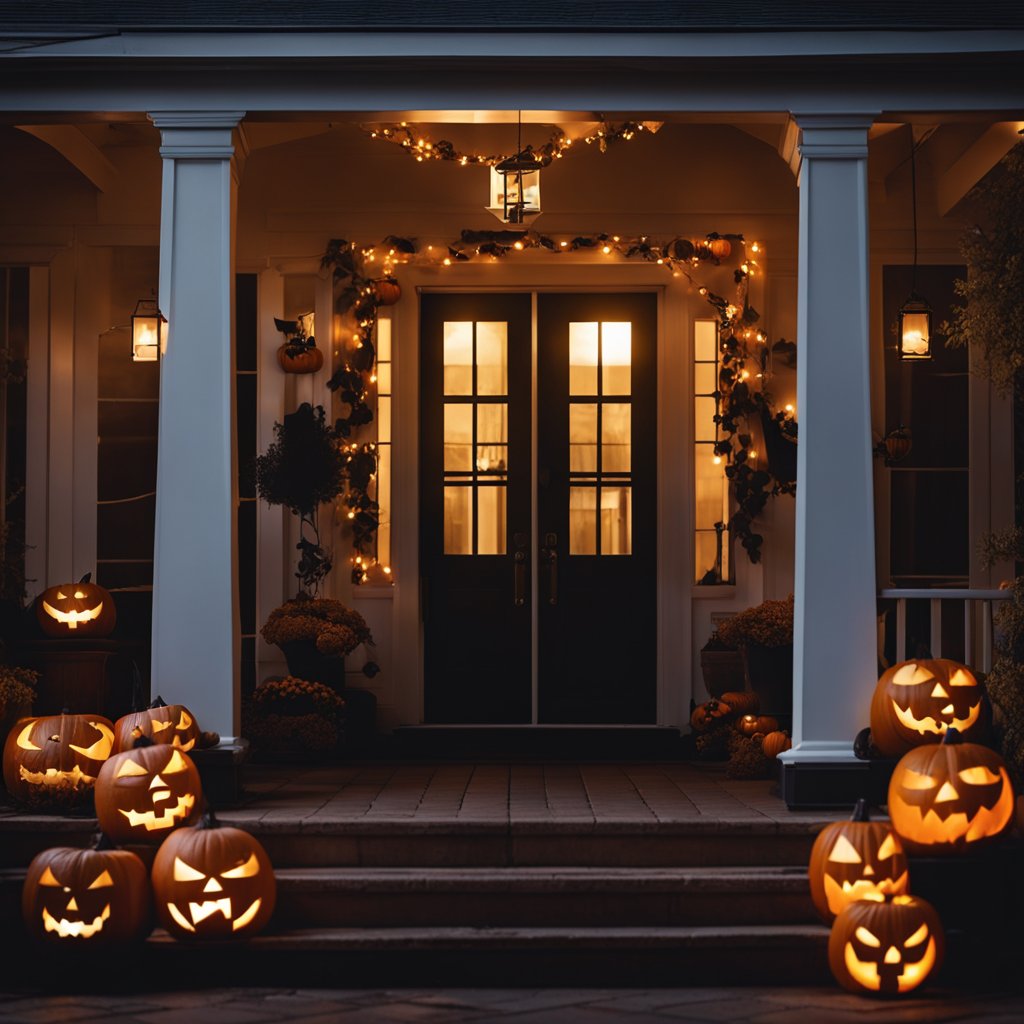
(538, 507)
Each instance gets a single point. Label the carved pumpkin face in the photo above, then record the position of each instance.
(854, 859)
(213, 882)
(144, 793)
(62, 754)
(915, 702)
(946, 797)
(886, 945)
(76, 610)
(161, 723)
(99, 895)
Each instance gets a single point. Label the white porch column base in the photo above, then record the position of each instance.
(195, 600)
(834, 639)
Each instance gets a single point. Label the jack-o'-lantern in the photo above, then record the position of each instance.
(886, 945)
(950, 796)
(161, 723)
(915, 702)
(144, 793)
(707, 714)
(213, 882)
(387, 291)
(99, 895)
(59, 756)
(752, 725)
(77, 610)
(853, 859)
(742, 702)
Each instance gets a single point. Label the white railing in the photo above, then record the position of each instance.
(977, 621)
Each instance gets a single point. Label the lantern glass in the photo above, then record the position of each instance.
(148, 331)
(515, 195)
(915, 330)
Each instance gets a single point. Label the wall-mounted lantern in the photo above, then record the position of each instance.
(149, 330)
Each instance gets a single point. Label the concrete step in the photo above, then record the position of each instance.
(735, 842)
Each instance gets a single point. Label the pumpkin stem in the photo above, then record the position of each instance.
(142, 741)
(158, 703)
(86, 578)
(860, 811)
(952, 735)
(208, 819)
(101, 841)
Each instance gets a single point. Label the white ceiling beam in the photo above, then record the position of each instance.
(73, 145)
(975, 163)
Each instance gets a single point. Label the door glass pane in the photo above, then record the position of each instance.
(616, 521)
(705, 341)
(582, 520)
(704, 411)
(705, 378)
(491, 358)
(383, 376)
(491, 530)
(384, 416)
(711, 490)
(492, 423)
(458, 438)
(616, 357)
(583, 438)
(582, 358)
(615, 437)
(458, 520)
(458, 357)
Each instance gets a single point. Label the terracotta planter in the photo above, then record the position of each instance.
(769, 673)
(723, 671)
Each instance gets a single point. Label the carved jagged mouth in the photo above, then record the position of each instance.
(73, 618)
(201, 911)
(74, 929)
(839, 896)
(865, 972)
(54, 777)
(929, 829)
(152, 821)
(931, 725)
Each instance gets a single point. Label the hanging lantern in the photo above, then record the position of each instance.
(515, 188)
(915, 329)
(148, 331)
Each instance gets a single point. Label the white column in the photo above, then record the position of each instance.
(834, 640)
(195, 598)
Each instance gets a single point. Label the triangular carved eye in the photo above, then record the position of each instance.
(978, 775)
(103, 881)
(866, 937)
(61, 597)
(48, 878)
(844, 853)
(961, 677)
(918, 937)
(915, 780)
(247, 870)
(176, 764)
(79, 595)
(185, 872)
(130, 767)
(161, 726)
(911, 674)
(185, 721)
(888, 847)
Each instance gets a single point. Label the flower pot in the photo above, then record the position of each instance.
(769, 673)
(723, 671)
(306, 662)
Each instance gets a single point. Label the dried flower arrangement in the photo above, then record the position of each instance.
(769, 624)
(334, 628)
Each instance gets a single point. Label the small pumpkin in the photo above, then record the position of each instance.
(161, 723)
(299, 358)
(99, 895)
(916, 701)
(720, 248)
(705, 715)
(886, 945)
(387, 291)
(751, 725)
(144, 793)
(855, 858)
(949, 797)
(213, 882)
(79, 610)
(775, 743)
(56, 757)
(742, 702)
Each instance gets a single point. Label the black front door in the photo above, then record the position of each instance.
(538, 511)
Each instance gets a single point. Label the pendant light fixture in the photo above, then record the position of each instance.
(515, 183)
(149, 328)
(915, 317)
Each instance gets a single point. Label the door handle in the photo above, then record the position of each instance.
(549, 555)
(521, 541)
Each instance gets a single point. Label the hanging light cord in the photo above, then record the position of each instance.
(913, 206)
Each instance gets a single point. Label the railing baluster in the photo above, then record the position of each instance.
(986, 638)
(968, 632)
(935, 627)
(901, 629)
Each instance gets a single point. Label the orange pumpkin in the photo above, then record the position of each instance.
(949, 797)
(775, 743)
(751, 725)
(78, 610)
(387, 291)
(916, 701)
(295, 359)
(719, 248)
(742, 702)
(707, 714)
(161, 723)
(853, 859)
(886, 945)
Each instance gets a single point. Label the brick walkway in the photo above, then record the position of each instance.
(517, 1006)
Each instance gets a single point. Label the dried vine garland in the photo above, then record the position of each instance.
(743, 347)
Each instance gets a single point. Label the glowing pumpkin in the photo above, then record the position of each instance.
(387, 291)
(99, 896)
(81, 609)
(752, 725)
(886, 945)
(161, 723)
(59, 756)
(144, 793)
(213, 882)
(853, 859)
(915, 702)
(950, 796)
